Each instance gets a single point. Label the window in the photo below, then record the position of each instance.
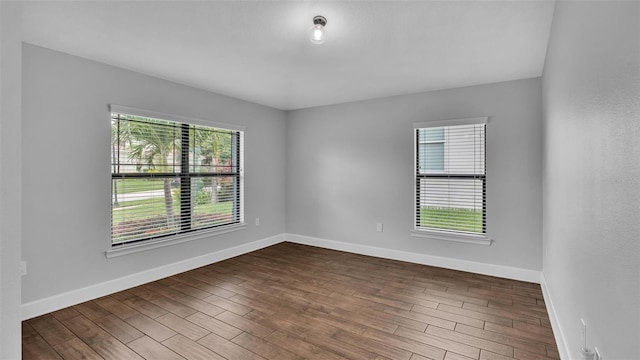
(450, 177)
(172, 177)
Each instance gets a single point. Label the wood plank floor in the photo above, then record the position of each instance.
(292, 301)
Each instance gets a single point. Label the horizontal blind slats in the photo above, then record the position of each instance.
(149, 197)
(450, 178)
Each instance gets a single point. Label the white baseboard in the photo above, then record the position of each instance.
(555, 321)
(60, 301)
(449, 263)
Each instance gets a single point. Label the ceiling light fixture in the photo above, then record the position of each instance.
(317, 33)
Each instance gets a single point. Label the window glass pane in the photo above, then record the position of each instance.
(141, 144)
(214, 201)
(144, 208)
(432, 157)
(212, 150)
(431, 134)
(465, 149)
(453, 204)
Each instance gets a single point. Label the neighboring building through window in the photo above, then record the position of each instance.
(431, 143)
(450, 177)
(171, 177)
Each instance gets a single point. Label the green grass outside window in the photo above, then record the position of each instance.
(451, 219)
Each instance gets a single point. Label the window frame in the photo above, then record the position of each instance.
(443, 234)
(123, 248)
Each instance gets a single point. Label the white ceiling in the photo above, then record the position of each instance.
(259, 50)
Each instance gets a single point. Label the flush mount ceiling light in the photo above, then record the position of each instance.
(317, 33)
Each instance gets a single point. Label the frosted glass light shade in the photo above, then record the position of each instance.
(317, 34)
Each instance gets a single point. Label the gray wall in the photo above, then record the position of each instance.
(10, 178)
(591, 87)
(350, 166)
(66, 172)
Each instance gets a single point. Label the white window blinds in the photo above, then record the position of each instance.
(450, 176)
(170, 177)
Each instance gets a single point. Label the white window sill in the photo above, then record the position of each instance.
(447, 236)
(125, 249)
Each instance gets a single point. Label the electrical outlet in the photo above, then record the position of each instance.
(257, 221)
(23, 268)
(379, 227)
(597, 352)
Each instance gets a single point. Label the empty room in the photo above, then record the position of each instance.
(405, 180)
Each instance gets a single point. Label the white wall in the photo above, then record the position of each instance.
(10, 175)
(591, 88)
(66, 172)
(351, 166)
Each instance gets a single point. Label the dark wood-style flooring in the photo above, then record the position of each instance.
(292, 301)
